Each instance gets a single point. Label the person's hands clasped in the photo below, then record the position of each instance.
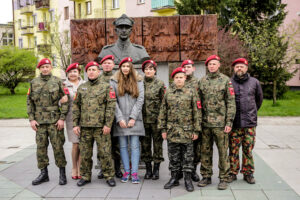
(131, 123)
(122, 123)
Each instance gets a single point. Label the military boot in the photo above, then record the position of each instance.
(156, 171)
(173, 181)
(188, 182)
(118, 171)
(43, 177)
(222, 185)
(100, 174)
(148, 174)
(249, 178)
(231, 178)
(62, 176)
(204, 182)
(194, 174)
(180, 174)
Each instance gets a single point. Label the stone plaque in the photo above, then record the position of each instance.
(161, 38)
(87, 39)
(198, 36)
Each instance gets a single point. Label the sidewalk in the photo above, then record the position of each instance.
(277, 161)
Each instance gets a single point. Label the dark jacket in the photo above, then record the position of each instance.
(248, 98)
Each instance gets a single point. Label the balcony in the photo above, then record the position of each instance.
(162, 4)
(43, 27)
(27, 29)
(27, 10)
(44, 49)
(42, 4)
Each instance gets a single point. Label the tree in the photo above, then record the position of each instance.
(16, 65)
(196, 7)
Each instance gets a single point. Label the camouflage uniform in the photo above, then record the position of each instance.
(246, 137)
(114, 140)
(154, 93)
(217, 95)
(94, 108)
(42, 105)
(179, 117)
(192, 82)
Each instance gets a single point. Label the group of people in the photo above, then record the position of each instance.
(123, 111)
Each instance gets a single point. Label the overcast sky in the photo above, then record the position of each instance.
(6, 11)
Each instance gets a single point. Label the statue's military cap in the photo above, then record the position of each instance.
(123, 20)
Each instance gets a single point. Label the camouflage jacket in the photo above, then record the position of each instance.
(43, 97)
(105, 76)
(94, 104)
(218, 100)
(180, 115)
(192, 82)
(153, 96)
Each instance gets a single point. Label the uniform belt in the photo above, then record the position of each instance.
(47, 109)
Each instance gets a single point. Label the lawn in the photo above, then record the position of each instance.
(14, 106)
(289, 105)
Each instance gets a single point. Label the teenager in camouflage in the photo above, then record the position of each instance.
(192, 82)
(153, 96)
(217, 96)
(47, 119)
(93, 115)
(248, 98)
(178, 121)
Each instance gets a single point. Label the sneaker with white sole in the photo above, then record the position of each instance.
(125, 177)
(135, 178)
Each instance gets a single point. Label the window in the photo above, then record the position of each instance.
(4, 39)
(88, 8)
(28, 2)
(35, 41)
(20, 23)
(115, 4)
(52, 16)
(140, 1)
(19, 4)
(79, 11)
(20, 43)
(44, 17)
(66, 13)
(34, 19)
(7, 39)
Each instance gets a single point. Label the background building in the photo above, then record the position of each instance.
(6, 34)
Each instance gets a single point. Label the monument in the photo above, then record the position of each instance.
(123, 47)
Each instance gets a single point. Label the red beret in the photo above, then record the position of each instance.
(72, 66)
(212, 57)
(187, 62)
(43, 62)
(111, 57)
(92, 63)
(127, 59)
(177, 70)
(149, 61)
(240, 60)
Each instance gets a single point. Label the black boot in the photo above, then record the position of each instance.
(118, 171)
(156, 171)
(111, 182)
(173, 181)
(82, 182)
(100, 174)
(204, 182)
(148, 174)
(62, 176)
(180, 174)
(43, 177)
(188, 182)
(194, 174)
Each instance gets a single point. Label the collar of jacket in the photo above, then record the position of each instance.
(123, 44)
(45, 77)
(174, 89)
(107, 73)
(189, 77)
(149, 79)
(95, 81)
(213, 75)
(115, 76)
(241, 79)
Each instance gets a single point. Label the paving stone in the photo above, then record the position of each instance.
(124, 193)
(63, 192)
(249, 195)
(154, 194)
(94, 193)
(9, 192)
(281, 195)
(217, 193)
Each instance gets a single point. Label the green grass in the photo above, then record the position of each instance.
(13, 106)
(289, 105)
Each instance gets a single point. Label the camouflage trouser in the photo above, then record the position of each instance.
(181, 156)
(197, 149)
(86, 142)
(218, 135)
(152, 134)
(57, 139)
(246, 137)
